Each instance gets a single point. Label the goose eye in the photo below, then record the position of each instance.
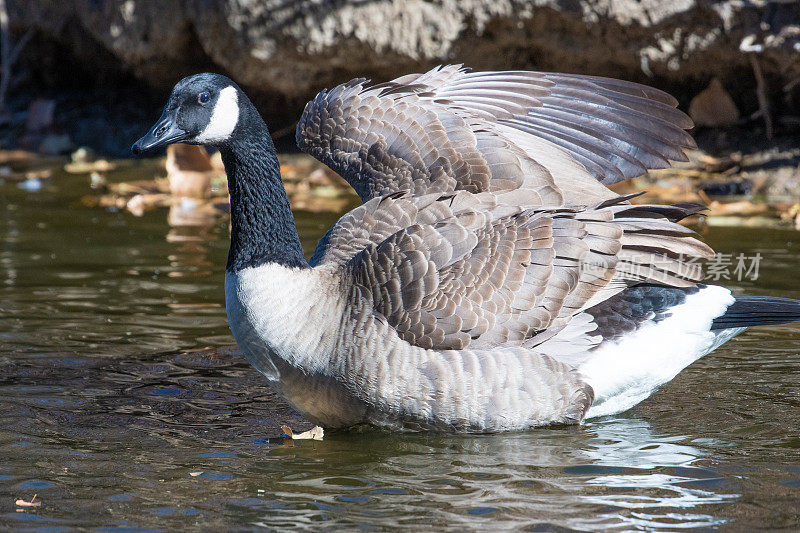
(203, 97)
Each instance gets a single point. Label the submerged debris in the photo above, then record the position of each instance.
(191, 173)
(736, 188)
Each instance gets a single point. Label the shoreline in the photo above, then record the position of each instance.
(759, 186)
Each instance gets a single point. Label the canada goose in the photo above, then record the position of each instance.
(490, 281)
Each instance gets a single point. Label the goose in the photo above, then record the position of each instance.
(490, 280)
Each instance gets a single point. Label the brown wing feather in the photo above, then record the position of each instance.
(463, 239)
(486, 275)
(450, 129)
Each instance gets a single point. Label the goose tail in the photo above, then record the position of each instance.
(683, 326)
(747, 311)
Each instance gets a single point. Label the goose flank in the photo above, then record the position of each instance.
(490, 280)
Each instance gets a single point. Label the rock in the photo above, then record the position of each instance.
(18, 156)
(740, 187)
(84, 154)
(713, 107)
(30, 185)
(39, 126)
(98, 181)
(40, 116)
(87, 167)
(287, 51)
(55, 144)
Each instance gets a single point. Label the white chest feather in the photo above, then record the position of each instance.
(279, 314)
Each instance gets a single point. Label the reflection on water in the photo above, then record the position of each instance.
(122, 407)
(664, 465)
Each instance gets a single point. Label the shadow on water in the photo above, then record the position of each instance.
(123, 407)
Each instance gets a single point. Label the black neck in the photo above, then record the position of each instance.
(262, 225)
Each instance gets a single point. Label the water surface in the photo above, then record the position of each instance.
(123, 408)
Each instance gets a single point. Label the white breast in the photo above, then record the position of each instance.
(286, 312)
(287, 322)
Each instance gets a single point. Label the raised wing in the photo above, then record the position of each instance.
(485, 276)
(554, 138)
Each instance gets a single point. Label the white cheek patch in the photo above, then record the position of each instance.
(223, 119)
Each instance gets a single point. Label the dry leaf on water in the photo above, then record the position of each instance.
(32, 503)
(315, 433)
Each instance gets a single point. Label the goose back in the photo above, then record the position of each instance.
(464, 270)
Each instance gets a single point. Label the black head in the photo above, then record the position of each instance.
(202, 109)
